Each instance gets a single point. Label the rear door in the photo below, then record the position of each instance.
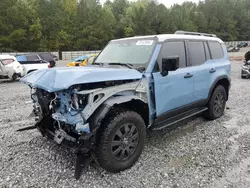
(198, 59)
(174, 91)
(207, 60)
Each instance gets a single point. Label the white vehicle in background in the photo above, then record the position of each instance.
(10, 67)
(36, 61)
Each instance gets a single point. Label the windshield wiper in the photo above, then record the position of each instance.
(123, 64)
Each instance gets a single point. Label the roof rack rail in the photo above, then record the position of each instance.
(194, 33)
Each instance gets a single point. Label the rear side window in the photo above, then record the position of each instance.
(32, 57)
(173, 48)
(196, 53)
(46, 56)
(216, 50)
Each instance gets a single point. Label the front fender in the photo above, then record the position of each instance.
(121, 99)
(96, 119)
(100, 96)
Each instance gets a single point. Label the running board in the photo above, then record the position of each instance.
(178, 118)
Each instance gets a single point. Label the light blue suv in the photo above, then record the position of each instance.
(134, 84)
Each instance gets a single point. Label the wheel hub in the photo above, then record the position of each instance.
(125, 141)
(218, 104)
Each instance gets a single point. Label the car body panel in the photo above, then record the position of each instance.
(56, 79)
(33, 62)
(71, 104)
(33, 67)
(206, 74)
(173, 91)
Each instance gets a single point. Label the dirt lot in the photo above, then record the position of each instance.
(197, 153)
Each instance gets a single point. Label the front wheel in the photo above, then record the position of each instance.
(121, 141)
(217, 103)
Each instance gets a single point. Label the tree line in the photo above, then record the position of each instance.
(61, 25)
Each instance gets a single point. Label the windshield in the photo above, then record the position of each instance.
(136, 52)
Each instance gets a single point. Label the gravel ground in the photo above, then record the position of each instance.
(197, 153)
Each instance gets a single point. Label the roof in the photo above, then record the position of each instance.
(163, 37)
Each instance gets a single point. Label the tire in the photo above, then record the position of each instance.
(218, 99)
(112, 153)
(14, 77)
(243, 77)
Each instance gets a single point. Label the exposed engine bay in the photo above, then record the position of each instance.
(68, 116)
(70, 109)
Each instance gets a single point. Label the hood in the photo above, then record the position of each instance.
(56, 79)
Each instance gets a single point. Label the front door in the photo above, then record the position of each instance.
(174, 91)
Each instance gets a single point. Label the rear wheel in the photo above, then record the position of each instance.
(217, 103)
(121, 141)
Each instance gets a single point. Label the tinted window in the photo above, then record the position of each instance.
(21, 58)
(207, 51)
(196, 53)
(32, 57)
(216, 50)
(175, 48)
(46, 56)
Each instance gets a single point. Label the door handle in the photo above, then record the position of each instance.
(212, 70)
(188, 75)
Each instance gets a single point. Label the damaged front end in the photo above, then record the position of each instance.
(59, 116)
(71, 117)
(71, 111)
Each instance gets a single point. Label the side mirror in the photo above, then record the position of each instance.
(169, 64)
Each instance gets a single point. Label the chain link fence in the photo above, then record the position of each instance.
(235, 43)
(69, 55)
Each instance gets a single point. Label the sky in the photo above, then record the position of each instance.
(167, 3)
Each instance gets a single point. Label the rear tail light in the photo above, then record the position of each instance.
(49, 66)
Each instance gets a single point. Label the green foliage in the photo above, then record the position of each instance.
(52, 25)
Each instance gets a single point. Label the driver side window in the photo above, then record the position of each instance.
(172, 48)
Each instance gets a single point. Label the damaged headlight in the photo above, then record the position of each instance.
(68, 111)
